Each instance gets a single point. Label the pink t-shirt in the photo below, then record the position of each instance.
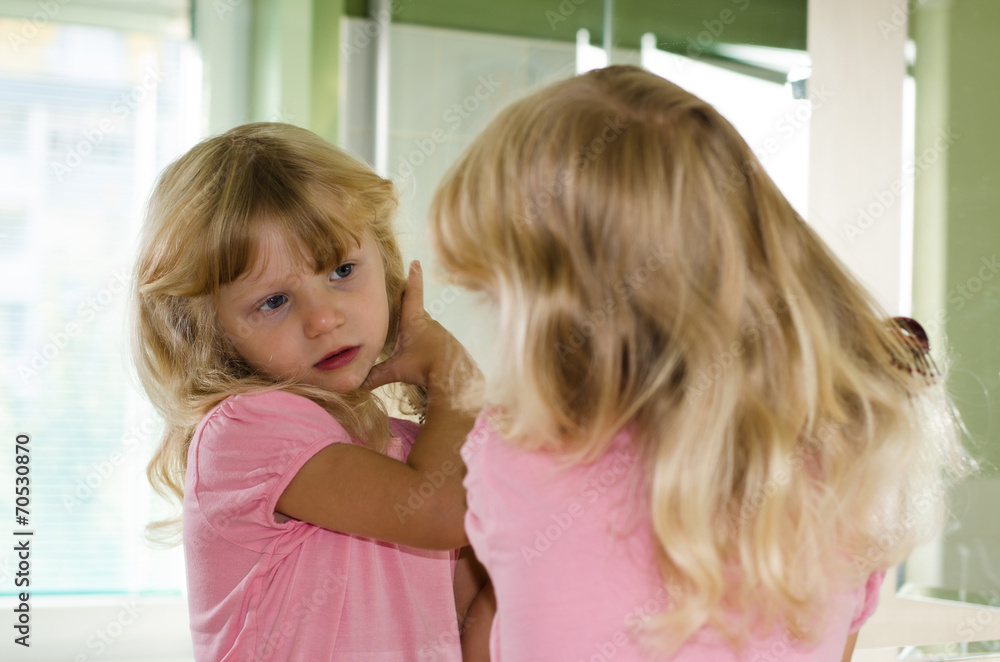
(262, 587)
(571, 557)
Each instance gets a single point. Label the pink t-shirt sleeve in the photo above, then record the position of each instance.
(249, 450)
(265, 587)
(868, 600)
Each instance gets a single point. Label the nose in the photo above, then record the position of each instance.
(321, 314)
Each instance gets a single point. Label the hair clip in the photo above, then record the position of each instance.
(915, 338)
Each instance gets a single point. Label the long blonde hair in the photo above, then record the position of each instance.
(649, 274)
(202, 230)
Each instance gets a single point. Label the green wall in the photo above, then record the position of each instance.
(957, 211)
(295, 63)
(295, 44)
(779, 23)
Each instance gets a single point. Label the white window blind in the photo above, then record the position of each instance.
(88, 116)
(164, 17)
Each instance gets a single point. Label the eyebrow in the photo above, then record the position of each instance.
(247, 290)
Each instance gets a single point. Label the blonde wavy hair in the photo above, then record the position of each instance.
(648, 273)
(202, 230)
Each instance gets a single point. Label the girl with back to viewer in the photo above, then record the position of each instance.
(704, 439)
(270, 298)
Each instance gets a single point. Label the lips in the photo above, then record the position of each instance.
(338, 359)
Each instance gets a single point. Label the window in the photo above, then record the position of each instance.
(88, 116)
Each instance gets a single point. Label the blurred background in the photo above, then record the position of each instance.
(875, 119)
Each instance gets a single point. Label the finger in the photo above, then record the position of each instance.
(379, 375)
(389, 371)
(413, 295)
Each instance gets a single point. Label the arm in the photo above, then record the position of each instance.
(849, 648)
(476, 606)
(470, 577)
(475, 633)
(420, 502)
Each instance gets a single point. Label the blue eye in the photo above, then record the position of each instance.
(343, 271)
(273, 303)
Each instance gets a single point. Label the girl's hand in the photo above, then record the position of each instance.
(325, 490)
(425, 352)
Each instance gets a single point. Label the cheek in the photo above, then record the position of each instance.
(257, 346)
(240, 329)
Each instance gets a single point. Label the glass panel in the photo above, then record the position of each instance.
(950, 182)
(88, 116)
(957, 199)
(445, 86)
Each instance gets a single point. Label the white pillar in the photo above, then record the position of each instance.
(855, 168)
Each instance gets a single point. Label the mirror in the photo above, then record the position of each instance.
(444, 85)
(955, 205)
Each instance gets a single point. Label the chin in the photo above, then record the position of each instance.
(343, 385)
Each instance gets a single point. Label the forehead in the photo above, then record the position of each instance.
(275, 255)
(276, 250)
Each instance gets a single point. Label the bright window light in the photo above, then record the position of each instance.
(588, 57)
(770, 119)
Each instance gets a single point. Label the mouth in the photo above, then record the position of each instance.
(338, 359)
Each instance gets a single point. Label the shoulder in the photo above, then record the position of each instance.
(866, 599)
(264, 405)
(250, 442)
(268, 416)
(483, 436)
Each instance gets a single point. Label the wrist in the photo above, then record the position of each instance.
(454, 373)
